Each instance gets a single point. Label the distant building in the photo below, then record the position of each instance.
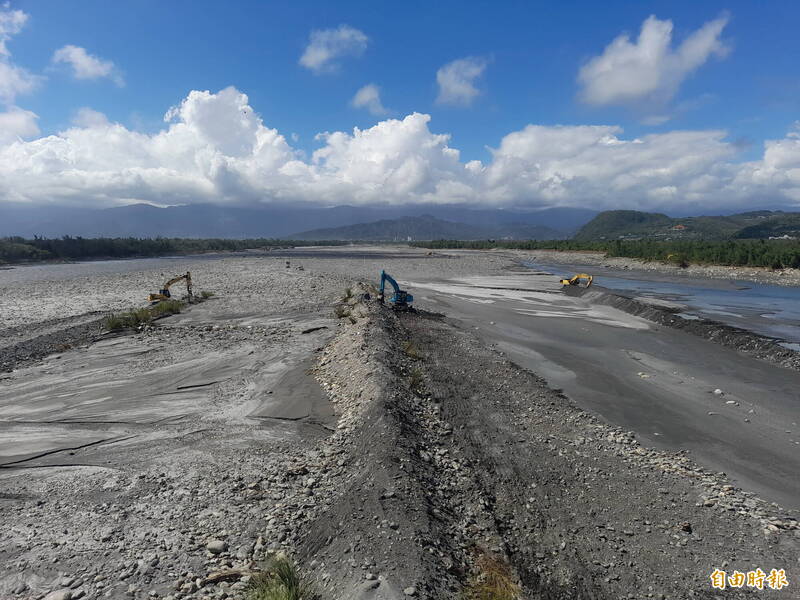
(678, 227)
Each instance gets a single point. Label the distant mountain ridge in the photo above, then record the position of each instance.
(427, 227)
(633, 224)
(238, 222)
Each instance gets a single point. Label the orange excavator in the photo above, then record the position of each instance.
(164, 293)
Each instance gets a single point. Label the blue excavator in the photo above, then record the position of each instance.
(400, 300)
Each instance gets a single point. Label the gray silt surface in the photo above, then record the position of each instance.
(650, 379)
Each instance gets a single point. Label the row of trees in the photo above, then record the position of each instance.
(774, 254)
(17, 249)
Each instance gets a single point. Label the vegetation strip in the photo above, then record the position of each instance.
(771, 254)
(18, 249)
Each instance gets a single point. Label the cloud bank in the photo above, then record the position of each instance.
(215, 148)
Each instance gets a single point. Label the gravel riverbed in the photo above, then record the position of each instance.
(390, 455)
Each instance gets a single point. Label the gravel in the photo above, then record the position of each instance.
(436, 458)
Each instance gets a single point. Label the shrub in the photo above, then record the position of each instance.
(166, 307)
(493, 581)
(142, 316)
(281, 581)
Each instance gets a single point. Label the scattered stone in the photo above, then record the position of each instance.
(217, 546)
(410, 591)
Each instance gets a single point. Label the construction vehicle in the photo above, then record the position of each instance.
(164, 293)
(400, 300)
(578, 280)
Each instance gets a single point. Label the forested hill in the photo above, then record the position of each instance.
(633, 224)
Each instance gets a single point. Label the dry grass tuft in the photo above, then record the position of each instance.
(280, 581)
(494, 581)
(142, 316)
(410, 349)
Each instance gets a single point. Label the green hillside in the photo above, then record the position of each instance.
(633, 225)
(786, 224)
(614, 224)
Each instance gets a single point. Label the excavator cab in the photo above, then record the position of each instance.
(400, 300)
(164, 293)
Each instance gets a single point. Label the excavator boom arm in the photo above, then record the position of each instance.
(386, 277)
(400, 299)
(164, 294)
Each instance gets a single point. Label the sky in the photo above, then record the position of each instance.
(672, 106)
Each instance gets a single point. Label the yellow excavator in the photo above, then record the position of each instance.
(580, 278)
(164, 293)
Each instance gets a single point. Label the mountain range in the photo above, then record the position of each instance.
(427, 227)
(214, 221)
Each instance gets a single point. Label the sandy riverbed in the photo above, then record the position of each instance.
(144, 464)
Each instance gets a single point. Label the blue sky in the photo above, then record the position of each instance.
(529, 57)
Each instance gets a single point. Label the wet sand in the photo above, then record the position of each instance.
(650, 379)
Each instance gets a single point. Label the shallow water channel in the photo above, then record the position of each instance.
(770, 310)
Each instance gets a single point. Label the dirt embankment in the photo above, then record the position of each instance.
(451, 461)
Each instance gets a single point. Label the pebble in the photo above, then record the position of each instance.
(217, 546)
(59, 595)
(410, 591)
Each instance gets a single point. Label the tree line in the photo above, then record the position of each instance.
(773, 254)
(17, 249)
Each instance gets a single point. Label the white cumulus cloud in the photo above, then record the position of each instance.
(17, 123)
(369, 97)
(88, 117)
(11, 23)
(456, 80)
(85, 65)
(326, 46)
(14, 80)
(648, 70)
(214, 148)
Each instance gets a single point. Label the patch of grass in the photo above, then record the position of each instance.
(132, 318)
(206, 295)
(166, 307)
(280, 581)
(494, 581)
(410, 349)
(142, 316)
(114, 322)
(416, 378)
(348, 293)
